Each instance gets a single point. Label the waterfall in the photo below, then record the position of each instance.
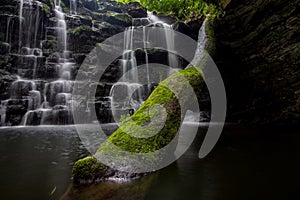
(170, 41)
(3, 111)
(37, 21)
(172, 58)
(61, 27)
(37, 100)
(7, 37)
(122, 92)
(29, 23)
(8, 33)
(73, 7)
(145, 39)
(128, 94)
(20, 23)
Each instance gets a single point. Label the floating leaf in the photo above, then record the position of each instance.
(53, 191)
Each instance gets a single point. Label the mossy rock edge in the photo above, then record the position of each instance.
(84, 168)
(88, 170)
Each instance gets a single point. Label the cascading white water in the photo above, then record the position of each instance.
(37, 21)
(129, 59)
(128, 93)
(35, 99)
(145, 39)
(73, 7)
(49, 103)
(20, 23)
(61, 26)
(130, 80)
(122, 92)
(29, 23)
(7, 37)
(3, 111)
(170, 40)
(172, 58)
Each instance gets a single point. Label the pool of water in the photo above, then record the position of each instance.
(247, 163)
(36, 162)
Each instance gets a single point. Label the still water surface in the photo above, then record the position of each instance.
(252, 163)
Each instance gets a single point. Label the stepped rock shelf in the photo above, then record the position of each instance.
(43, 44)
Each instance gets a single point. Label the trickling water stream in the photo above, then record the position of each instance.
(73, 7)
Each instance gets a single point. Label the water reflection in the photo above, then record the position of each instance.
(245, 164)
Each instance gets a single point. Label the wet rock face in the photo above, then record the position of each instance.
(31, 50)
(95, 21)
(258, 54)
(47, 47)
(90, 4)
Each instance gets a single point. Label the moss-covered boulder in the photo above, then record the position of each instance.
(88, 170)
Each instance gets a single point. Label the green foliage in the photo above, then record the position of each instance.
(52, 4)
(186, 10)
(64, 7)
(46, 8)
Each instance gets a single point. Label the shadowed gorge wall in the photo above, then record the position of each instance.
(258, 53)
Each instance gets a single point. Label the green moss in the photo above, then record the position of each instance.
(51, 37)
(122, 17)
(88, 169)
(52, 4)
(46, 8)
(64, 7)
(150, 139)
(187, 10)
(211, 47)
(118, 19)
(162, 96)
(79, 30)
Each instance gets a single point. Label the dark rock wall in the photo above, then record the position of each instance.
(258, 53)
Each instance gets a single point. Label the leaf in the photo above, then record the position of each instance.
(53, 191)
